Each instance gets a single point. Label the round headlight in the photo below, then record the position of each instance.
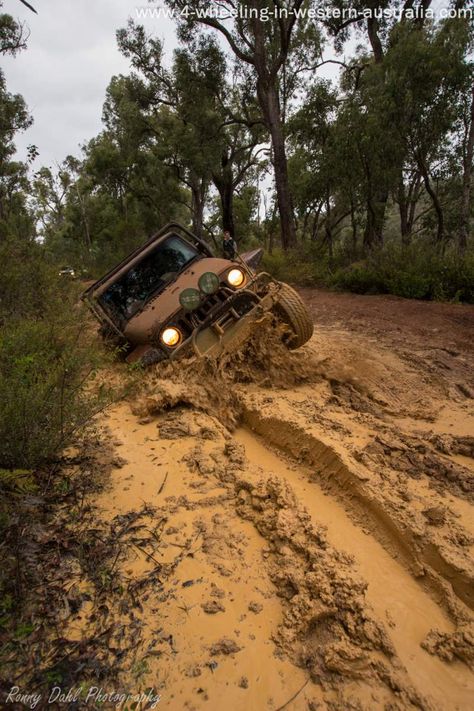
(171, 337)
(190, 299)
(209, 283)
(236, 277)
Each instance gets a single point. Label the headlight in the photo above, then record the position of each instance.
(209, 283)
(190, 299)
(236, 277)
(171, 337)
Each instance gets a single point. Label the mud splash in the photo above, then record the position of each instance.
(210, 385)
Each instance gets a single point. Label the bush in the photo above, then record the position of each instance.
(47, 360)
(360, 277)
(419, 271)
(304, 266)
(416, 272)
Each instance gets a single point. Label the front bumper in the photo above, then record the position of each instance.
(226, 329)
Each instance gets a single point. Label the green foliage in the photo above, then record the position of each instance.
(95, 211)
(14, 214)
(416, 272)
(15, 218)
(46, 360)
(305, 266)
(17, 481)
(419, 271)
(23, 630)
(379, 156)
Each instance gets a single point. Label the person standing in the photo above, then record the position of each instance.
(229, 246)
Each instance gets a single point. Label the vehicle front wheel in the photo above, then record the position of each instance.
(292, 311)
(152, 357)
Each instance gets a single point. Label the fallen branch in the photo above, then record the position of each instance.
(163, 484)
(149, 555)
(280, 708)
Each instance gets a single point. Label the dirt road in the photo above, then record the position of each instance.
(303, 524)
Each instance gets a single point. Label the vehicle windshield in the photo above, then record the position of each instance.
(159, 267)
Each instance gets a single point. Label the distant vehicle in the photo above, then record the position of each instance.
(171, 297)
(67, 272)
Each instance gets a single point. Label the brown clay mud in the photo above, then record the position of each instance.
(407, 611)
(305, 528)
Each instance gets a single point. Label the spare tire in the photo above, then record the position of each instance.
(291, 309)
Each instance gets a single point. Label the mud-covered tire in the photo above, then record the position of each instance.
(152, 357)
(292, 311)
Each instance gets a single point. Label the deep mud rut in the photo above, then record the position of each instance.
(306, 520)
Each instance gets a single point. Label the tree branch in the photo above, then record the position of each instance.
(211, 22)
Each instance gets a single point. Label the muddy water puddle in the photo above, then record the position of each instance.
(218, 607)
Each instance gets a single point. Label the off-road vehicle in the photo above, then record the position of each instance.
(171, 296)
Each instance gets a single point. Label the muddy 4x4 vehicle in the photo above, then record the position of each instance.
(172, 297)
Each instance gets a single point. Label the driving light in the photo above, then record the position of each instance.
(236, 277)
(190, 299)
(171, 337)
(209, 283)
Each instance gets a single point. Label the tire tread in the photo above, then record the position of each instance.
(294, 312)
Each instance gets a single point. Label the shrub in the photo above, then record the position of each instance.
(360, 277)
(47, 360)
(419, 271)
(304, 266)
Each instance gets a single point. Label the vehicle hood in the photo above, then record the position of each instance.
(160, 309)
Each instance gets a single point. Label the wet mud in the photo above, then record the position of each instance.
(307, 525)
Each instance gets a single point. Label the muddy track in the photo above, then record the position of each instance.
(264, 566)
(372, 562)
(305, 521)
(347, 484)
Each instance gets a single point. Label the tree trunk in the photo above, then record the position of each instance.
(413, 195)
(267, 94)
(270, 241)
(376, 204)
(375, 43)
(403, 210)
(85, 221)
(328, 227)
(198, 193)
(224, 182)
(354, 228)
(315, 227)
(468, 155)
(305, 225)
(280, 164)
(227, 200)
(377, 196)
(434, 198)
(407, 202)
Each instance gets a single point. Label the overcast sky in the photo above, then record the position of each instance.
(71, 57)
